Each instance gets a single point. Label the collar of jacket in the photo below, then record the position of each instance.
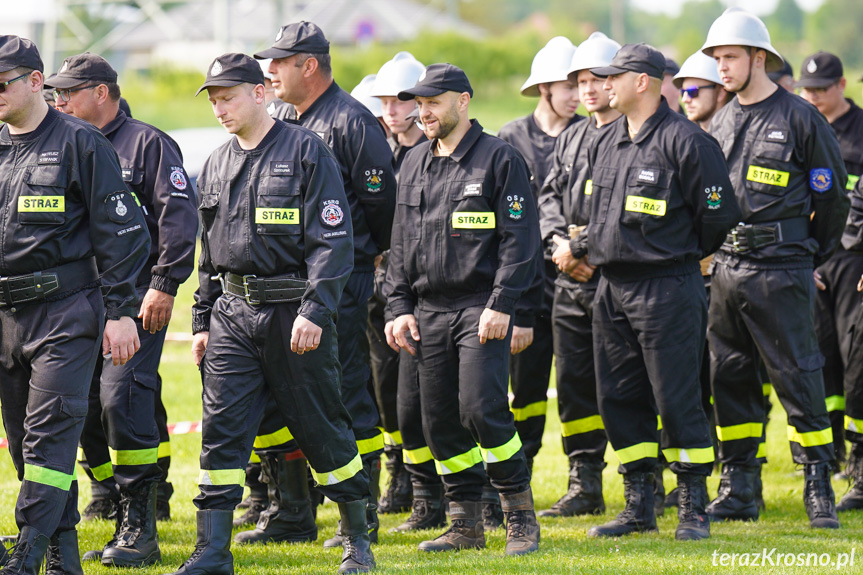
(6, 139)
(114, 124)
(467, 142)
(646, 128)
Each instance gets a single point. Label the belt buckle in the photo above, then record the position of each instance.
(4, 291)
(735, 241)
(246, 279)
(221, 277)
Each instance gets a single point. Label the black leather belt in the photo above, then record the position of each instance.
(747, 237)
(260, 291)
(39, 285)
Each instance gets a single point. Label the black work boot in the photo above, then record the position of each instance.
(25, 557)
(658, 491)
(427, 512)
(759, 490)
(136, 542)
(522, 530)
(466, 531)
(254, 483)
(671, 500)
(212, 554)
(693, 523)
(853, 499)
(492, 514)
(735, 499)
(397, 498)
(373, 468)
(818, 496)
(164, 491)
(258, 498)
(103, 503)
(585, 491)
(62, 557)
(638, 515)
(289, 515)
(357, 555)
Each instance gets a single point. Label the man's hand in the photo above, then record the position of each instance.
(522, 337)
(403, 325)
(199, 346)
(492, 325)
(391, 338)
(819, 281)
(156, 310)
(562, 256)
(583, 270)
(305, 336)
(120, 340)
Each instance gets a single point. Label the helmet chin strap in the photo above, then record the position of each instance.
(749, 74)
(547, 97)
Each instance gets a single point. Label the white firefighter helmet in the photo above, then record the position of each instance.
(551, 64)
(400, 73)
(362, 93)
(595, 52)
(737, 27)
(700, 66)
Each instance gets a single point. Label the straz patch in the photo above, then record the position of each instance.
(776, 135)
(41, 203)
(767, 176)
(473, 220)
(648, 176)
(516, 207)
(128, 174)
(588, 187)
(332, 213)
(852, 181)
(473, 189)
(281, 168)
(283, 216)
(820, 179)
(178, 178)
(49, 157)
(645, 205)
(119, 206)
(714, 197)
(374, 180)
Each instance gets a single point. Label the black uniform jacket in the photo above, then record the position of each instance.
(659, 203)
(784, 162)
(152, 167)
(277, 209)
(62, 199)
(466, 231)
(849, 131)
(360, 145)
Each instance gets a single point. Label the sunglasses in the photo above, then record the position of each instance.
(3, 85)
(692, 91)
(67, 93)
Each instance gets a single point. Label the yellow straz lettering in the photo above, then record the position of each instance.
(645, 205)
(277, 216)
(41, 204)
(588, 187)
(473, 220)
(766, 176)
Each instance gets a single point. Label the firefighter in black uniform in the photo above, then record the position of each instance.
(786, 164)
(263, 317)
(660, 201)
(153, 169)
(69, 220)
(302, 76)
(564, 210)
(822, 84)
(535, 136)
(465, 196)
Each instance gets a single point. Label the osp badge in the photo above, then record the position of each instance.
(374, 180)
(117, 206)
(332, 213)
(714, 197)
(516, 207)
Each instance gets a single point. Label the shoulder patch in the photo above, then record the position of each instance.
(820, 179)
(714, 197)
(374, 180)
(516, 207)
(178, 178)
(118, 207)
(332, 213)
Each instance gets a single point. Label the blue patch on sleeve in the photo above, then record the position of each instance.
(820, 179)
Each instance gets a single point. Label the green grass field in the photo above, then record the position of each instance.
(565, 547)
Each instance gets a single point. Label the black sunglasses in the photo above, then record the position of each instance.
(3, 85)
(692, 91)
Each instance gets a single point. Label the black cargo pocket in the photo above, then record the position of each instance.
(209, 206)
(277, 206)
(43, 199)
(142, 404)
(811, 363)
(601, 187)
(769, 171)
(74, 407)
(410, 196)
(647, 197)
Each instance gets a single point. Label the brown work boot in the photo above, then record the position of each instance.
(522, 530)
(466, 531)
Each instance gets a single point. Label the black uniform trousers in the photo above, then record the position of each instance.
(416, 454)
(47, 354)
(248, 359)
(648, 337)
(854, 383)
(835, 309)
(766, 312)
(384, 368)
(582, 430)
(465, 408)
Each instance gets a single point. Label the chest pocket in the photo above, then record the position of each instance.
(472, 213)
(409, 198)
(770, 169)
(647, 195)
(601, 190)
(209, 206)
(43, 198)
(278, 206)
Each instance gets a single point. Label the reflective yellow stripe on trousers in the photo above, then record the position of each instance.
(810, 438)
(341, 474)
(503, 452)
(272, 439)
(637, 451)
(530, 410)
(222, 477)
(47, 476)
(459, 462)
(417, 456)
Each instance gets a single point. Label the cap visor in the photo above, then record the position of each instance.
(220, 84)
(421, 91)
(607, 71)
(815, 82)
(6, 66)
(63, 82)
(274, 53)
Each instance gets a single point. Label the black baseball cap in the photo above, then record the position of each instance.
(437, 79)
(785, 70)
(297, 38)
(639, 58)
(820, 70)
(16, 51)
(232, 70)
(671, 67)
(82, 68)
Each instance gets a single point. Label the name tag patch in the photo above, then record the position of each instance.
(648, 176)
(767, 176)
(473, 220)
(128, 173)
(473, 190)
(282, 216)
(645, 205)
(49, 157)
(588, 187)
(776, 135)
(41, 203)
(281, 168)
(820, 179)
